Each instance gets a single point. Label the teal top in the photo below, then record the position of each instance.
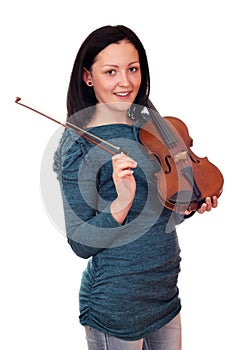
(129, 287)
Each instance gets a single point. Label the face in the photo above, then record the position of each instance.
(115, 75)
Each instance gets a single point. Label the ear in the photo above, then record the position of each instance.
(87, 76)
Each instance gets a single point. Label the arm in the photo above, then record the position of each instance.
(89, 230)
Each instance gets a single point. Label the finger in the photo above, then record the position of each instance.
(208, 203)
(123, 157)
(187, 212)
(123, 163)
(214, 201)
(125, 173)
(202, 209)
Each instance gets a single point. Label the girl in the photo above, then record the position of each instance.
(129, 299)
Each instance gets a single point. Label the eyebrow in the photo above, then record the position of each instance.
(115, 65)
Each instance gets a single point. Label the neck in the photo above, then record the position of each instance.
(105, 114)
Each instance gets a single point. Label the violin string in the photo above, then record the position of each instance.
(165, 132)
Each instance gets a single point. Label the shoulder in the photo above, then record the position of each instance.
(71, 148)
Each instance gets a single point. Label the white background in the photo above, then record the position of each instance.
(189, 47)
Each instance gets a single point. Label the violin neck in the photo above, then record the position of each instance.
(162, 126)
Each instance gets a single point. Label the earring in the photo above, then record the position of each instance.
(90, 83)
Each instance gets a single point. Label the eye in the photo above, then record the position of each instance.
(133, 69)
(111, 72)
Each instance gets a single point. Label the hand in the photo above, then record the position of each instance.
(125, 184)
(123, 177)
(209, 204)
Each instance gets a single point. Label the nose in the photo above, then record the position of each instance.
(124, 79)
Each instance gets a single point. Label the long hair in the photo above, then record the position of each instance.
(80, 96)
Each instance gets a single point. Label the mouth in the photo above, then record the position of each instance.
(122, 95)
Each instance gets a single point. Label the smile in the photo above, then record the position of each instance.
(122, 94)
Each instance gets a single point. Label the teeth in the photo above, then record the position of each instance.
(122, 93)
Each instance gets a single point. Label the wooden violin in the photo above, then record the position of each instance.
(184, 180)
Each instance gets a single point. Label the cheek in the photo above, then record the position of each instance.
(140, 80)
(137, 83)
(103, 85)
(103, 90)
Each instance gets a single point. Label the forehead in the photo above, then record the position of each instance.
(118, 52)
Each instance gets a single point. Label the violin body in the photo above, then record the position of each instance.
(184, 180)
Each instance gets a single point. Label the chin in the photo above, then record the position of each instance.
(122, 106)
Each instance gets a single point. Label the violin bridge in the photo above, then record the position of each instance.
(180, 156)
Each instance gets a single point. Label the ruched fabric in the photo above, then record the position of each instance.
(129, 287)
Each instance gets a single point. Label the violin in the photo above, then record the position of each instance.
(184, 180)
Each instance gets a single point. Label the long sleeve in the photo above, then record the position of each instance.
(88, 228)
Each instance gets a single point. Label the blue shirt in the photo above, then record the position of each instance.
(129, 287)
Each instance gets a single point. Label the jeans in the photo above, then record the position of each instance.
(166, 338)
